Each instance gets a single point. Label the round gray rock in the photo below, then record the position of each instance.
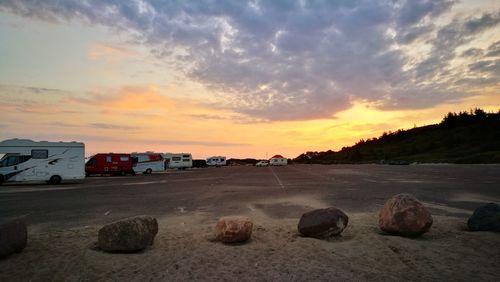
(13, 237)
(128, 235)
(323, 223)
(485, 218)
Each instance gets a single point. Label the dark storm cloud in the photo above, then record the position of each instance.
(291, 60)
(486, 66)
(473, 52)
(449, 38)
(412, 12)
(413, 33)
(494, 50)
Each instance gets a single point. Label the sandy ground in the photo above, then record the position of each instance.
(184, 249)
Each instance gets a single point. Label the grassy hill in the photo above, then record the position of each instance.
(466, 137)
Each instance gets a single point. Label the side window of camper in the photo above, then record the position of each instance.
(40, 154)
(124, 159)
(185, 160)
(185, 156)
(23, 159)
(176, 159)
(109, 159)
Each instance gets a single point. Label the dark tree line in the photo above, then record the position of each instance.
(464, 137)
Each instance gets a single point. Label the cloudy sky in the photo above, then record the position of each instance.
(241, 78)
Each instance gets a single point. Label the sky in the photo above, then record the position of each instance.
(241, 78)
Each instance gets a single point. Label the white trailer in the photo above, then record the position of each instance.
(278, 160)
(24, 160)
(216, 161)
(148, 162)
(178, 160)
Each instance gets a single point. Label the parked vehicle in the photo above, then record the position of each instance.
(216, 161)
(178, 160)
(111, 164)
(147, 163)
(278, 160)
(199, 163)
(26, 160)
(262, 163)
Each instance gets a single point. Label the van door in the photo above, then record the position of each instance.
(9, 168)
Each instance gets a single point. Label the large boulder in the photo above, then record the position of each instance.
(485, 218)
(233, 229)
(404, 215)
(128, 235)
(13, 237)
(323, 223)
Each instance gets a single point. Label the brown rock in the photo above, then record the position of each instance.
(128, 235)
(404, 215)
(13, 237)
(233, 229)
(323, 223)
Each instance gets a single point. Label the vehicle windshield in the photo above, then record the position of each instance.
(91, 161)
(9, 161)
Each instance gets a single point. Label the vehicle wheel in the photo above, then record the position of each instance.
(132, 172)
(149, 171)
(55, 179)
(1, 179)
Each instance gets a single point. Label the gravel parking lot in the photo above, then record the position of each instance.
(447, 189)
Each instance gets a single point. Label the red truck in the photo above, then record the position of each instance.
(112, 164)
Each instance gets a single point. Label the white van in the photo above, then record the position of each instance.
(216, 161)
(178, 160)
(148, 162)
(24, 160)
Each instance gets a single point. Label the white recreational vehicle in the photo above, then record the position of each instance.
(278, 160)
(147, 162)
(25, 160)
(216, 161)
(178, 160)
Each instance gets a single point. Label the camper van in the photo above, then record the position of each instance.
(147, 163)
(216, 161)
(178, 160)
(278, 160)
(24, 160)
(111, 164)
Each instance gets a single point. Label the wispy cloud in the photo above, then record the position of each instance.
(239, 119)
(111, 126)
(126, 98)
(200, 143)
(110, 52)
(63, 124)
